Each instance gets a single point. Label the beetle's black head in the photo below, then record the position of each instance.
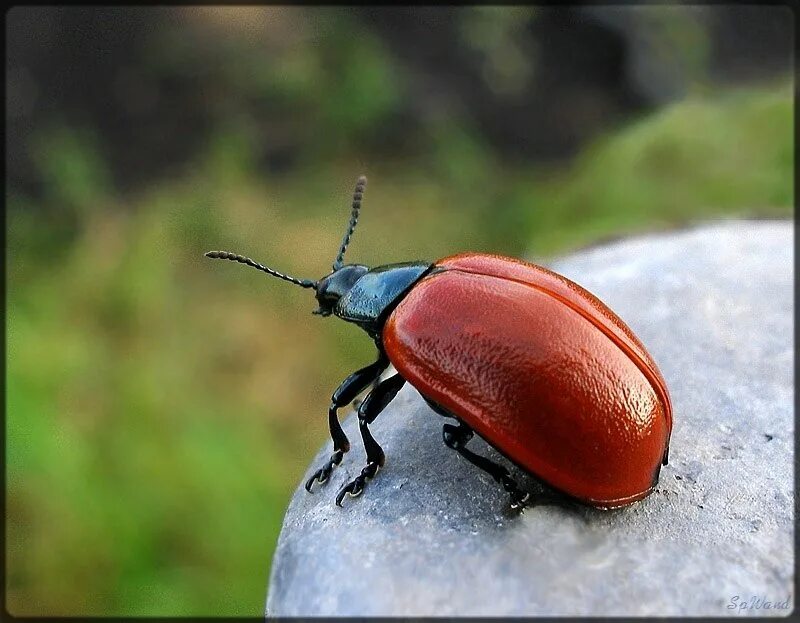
(333, 286)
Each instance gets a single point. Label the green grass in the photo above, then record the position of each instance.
(701, 159)
(161, 408)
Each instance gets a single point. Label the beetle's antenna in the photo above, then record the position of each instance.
(225, 255)
(357, 196)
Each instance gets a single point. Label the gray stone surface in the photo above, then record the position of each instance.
(431, 535)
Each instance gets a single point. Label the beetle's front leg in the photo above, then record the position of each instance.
(373, 404)
(351, 387)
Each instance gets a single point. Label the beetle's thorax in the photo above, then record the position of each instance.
(365, 296)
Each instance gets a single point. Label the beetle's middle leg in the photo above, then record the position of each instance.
(456, 437)
(351, 387)
(357, 402)
(375, 402)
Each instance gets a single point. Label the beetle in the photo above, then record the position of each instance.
(532, 362)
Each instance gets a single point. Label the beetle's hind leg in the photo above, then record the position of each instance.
(456, 437)
(373, 404)
(344, 395)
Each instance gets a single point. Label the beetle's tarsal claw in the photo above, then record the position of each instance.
(519, 501)
(355, 487)
(310, 482)
(321, 475)
(347, 489)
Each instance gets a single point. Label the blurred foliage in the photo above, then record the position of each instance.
(161, 408)
(304, 85)
(728, 156)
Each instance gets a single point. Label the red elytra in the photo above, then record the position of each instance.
(541, 369)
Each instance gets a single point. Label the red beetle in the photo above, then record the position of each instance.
(536, 365)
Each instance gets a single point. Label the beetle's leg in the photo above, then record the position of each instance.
(457, 436)
(357, 402)
(344, 395)
(373, 404)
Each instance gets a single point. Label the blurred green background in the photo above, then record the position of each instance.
(160, 407)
